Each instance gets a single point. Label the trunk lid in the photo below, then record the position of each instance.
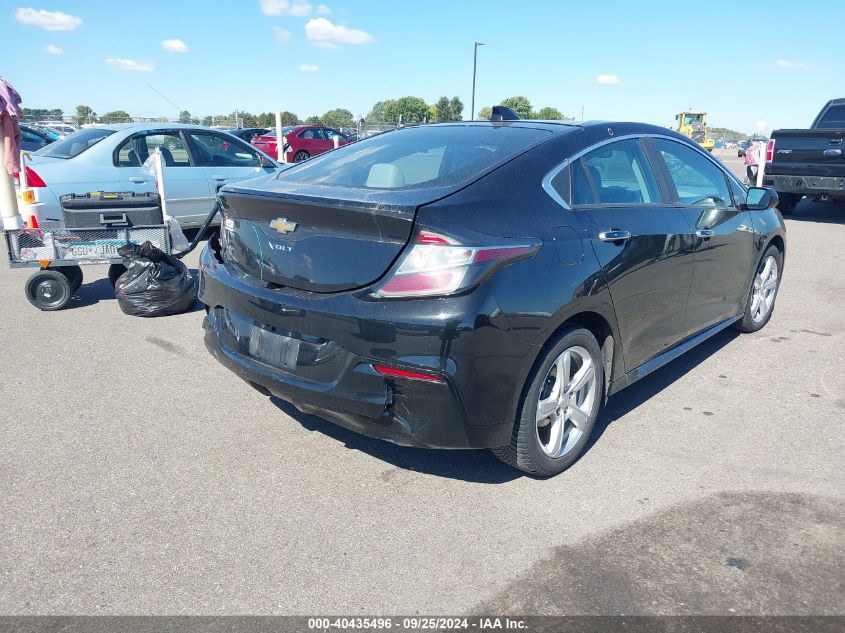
(819, 152)
(298, 238)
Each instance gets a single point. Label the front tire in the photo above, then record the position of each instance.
(560, 404)
(760, 303)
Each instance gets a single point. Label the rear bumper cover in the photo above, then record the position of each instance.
(332, 381)
(806, 185)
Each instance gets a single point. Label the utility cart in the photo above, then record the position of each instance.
(95, 226)
(60, 253)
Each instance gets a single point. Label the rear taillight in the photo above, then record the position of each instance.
(440, 265)
(32, 178)
(770, 150)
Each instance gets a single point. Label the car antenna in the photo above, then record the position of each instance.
(501, 113)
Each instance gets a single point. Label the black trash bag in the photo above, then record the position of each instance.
(154, 284)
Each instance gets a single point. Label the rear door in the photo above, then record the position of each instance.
(312, 140)
(643, 245)
(723, 237)
(187, 191)
(224, 158)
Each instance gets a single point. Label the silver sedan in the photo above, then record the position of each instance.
(198, 161)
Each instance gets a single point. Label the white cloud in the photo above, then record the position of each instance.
(48, 20)
(323, 9)
(791, 65)
(309, 68)
(608, 80)
(131, 65)
(174, 46)
(297, 8)
(323, 33)
(282, 35)
(50, 49)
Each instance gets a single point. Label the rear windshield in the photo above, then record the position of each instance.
(429, 156)
(76, 143)
(833, 118)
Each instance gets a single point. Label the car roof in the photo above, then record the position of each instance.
(563, 127)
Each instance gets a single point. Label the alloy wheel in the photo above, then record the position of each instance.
(764, 290)
(566, 401)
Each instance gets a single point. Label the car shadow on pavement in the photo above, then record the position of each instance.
(477, 466)
(630, 398)
(822, 212)
(481, 466)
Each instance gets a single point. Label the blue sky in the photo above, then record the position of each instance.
(748, 64)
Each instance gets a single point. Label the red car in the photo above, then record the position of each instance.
(304, 141)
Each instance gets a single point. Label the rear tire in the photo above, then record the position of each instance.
(300, 156)
(760, 303)
(115, 271)
(73, 274)
(559, 407)
(787, 202)
(48, 290)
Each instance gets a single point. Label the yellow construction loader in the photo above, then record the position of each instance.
(694, 126)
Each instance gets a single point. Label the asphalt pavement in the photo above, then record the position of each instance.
(138, 476)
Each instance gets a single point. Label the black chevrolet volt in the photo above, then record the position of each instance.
(485, 284)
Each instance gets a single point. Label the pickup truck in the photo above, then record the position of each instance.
(809, 162)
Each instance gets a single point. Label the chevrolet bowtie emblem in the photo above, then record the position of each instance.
(283, 225)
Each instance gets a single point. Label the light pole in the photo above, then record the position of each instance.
(474, 64)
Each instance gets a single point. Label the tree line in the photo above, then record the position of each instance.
(404, 110)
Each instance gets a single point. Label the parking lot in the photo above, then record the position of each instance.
(138, 476)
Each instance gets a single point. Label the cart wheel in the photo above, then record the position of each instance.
(74, 276)
(115, 271)
(48, 290)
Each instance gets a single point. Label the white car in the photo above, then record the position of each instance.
(198, 161)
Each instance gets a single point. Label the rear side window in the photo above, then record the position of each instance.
(833, 118)
(582, 188)
(312, 133)
(617, 173)
(430, 156)
(76, 143)
(135, 151)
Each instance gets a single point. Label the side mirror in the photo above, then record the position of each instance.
(761, 198)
